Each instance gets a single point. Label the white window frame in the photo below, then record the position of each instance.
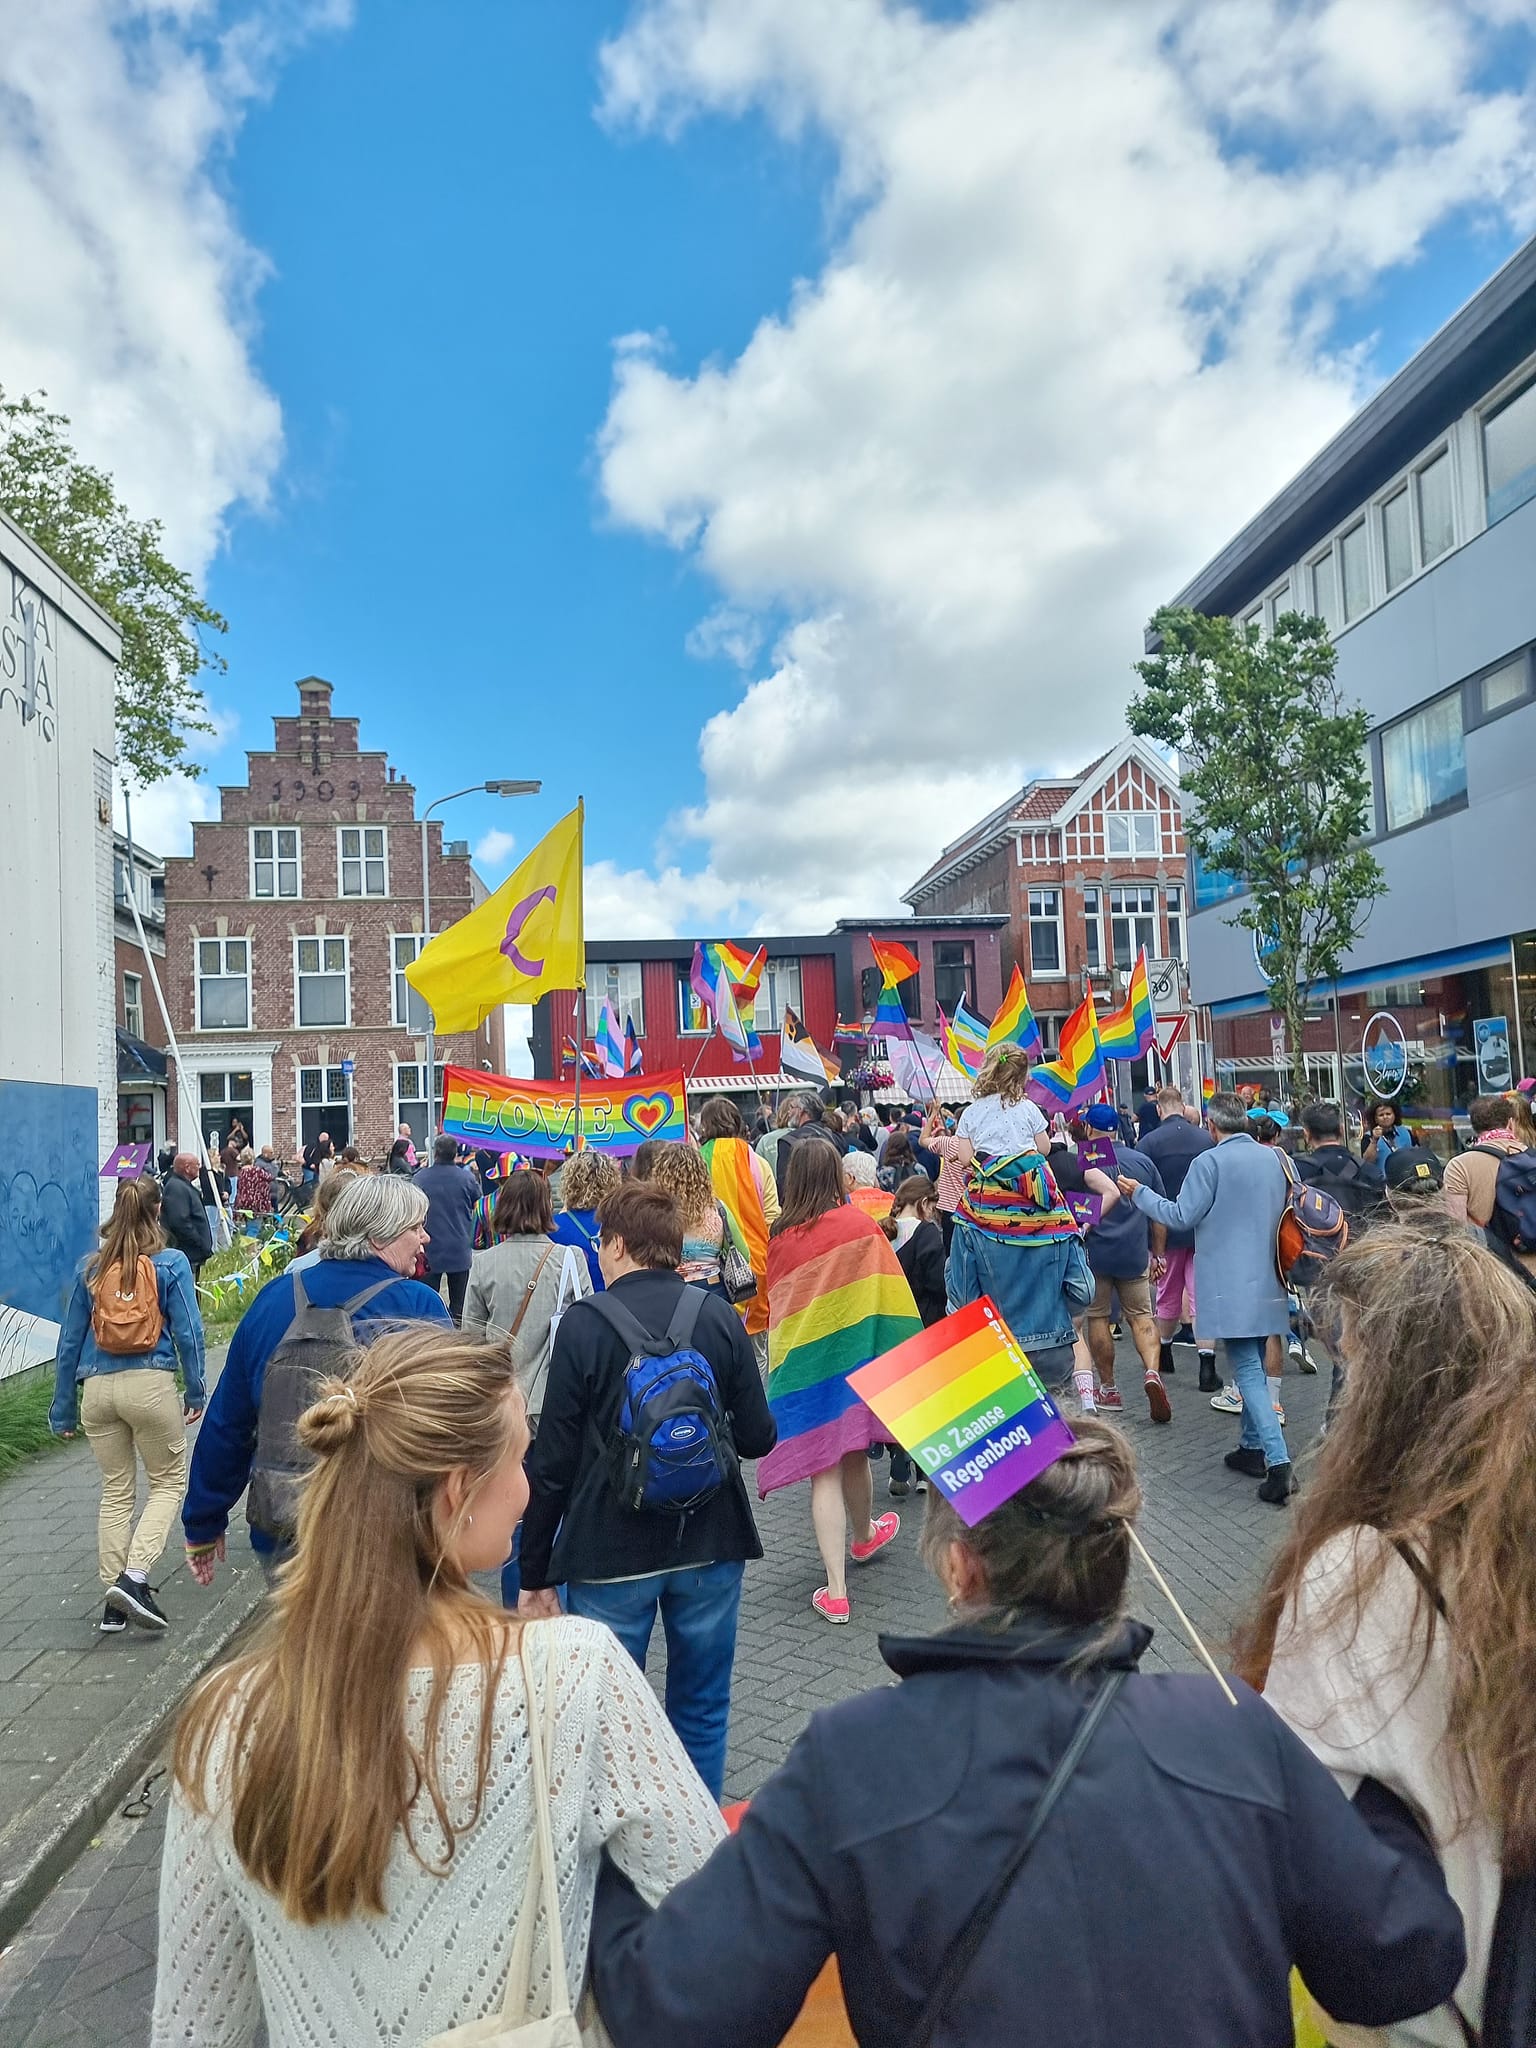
(1044, 917)
(327, 1100)
(1093, 928)
(686, 997)
(1131, 851)
(1493, 402)
(781, 975)
(607, 979)
(415, 1068)
(224, 974)
(1133, 918)
(276, 862)
(362, 858)
(1175, 913)
(400, 1011)
(323, 973)
(133, 1008)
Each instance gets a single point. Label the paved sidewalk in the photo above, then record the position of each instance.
(82, 1973)
(76, 1707)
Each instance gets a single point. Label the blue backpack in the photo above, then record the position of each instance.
(671, 1449)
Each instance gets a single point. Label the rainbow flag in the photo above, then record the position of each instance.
(1130, 1032)
(634, 1052)
(1207, 1087)
(609, 1041)
(966, 1402)
(895, 961)
(850, 1034)
(590, 1066)
(1015, 1023)
(725, 979)
(1076, 1075)
(964, 1039)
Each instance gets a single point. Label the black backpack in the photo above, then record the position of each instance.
(1511, 1228)
(1357, 1193)
(316, 1345)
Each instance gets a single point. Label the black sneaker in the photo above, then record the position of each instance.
(1182, 1335)
(133, 1598)
(1211, 1381)
(112, 1623)
(1278, 1486)
(1249, 1463)
(900, 1488)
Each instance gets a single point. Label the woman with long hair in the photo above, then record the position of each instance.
(747, 1191)
(132, 1319)
(898, 1834)
(352, 1815)
(1396, 1631)
(681, 1170)
(898, 1162)
(253, 1187)
(836, 1299)
(518, 1287)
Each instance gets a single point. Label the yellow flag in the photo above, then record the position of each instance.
(523, 940)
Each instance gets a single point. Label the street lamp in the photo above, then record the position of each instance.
(500, 787)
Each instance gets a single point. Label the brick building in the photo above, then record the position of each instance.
(1088, 869)
(141, 1063)
(287, 931)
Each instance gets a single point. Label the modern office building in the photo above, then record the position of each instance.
(1413, 533)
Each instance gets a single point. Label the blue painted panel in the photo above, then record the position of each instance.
(49, 1208)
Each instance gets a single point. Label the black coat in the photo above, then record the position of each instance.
(568, 1466)
(921, 1258)
(453, 1196)
(185, 1219)
(1199, 1851)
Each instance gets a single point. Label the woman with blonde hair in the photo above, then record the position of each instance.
(1396, 1631)
(1000, 1118)
(132, 1318)
(584, 1181)
(681, 1170)
(355, 1802)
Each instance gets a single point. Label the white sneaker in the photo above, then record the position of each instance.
(1228, 1402)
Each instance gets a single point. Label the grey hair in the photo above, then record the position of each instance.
(859, 1167)
(802, 1103)
(1227, 1113)
(374, 1208)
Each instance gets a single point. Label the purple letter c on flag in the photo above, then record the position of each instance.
(520, 916)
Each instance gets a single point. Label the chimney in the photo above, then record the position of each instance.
(314, 697)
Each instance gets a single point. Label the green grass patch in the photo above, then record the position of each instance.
(25, 1399)
(231, 1280)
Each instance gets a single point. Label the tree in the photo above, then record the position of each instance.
(1277, 792)
(74, 512)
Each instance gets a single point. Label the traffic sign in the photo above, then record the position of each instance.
(1163, 983)
(349, 1067)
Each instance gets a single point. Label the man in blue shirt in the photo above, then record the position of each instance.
(1123, 1250)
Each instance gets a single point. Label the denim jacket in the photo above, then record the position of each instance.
(1035, 1286)
(181, 1341)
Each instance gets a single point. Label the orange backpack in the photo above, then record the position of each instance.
(126, 1318)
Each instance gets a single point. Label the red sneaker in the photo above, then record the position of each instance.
(829, 1609)
(1109, 1400)
(1157, 1398)
(883, 1529)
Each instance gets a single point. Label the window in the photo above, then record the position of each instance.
(1280, 602)
(1509, 452)
(321, 973)
(362, 864)
(1093, 932)
(1423, 763)
(1502, 687)
(1132, 924)
(1212, 884)
(1325, 590)
(133, 1005)
(1354, 573)
(1397, 538)
(222, 1098)
(1131, 832)
(781, 984)
(954, 974)
(411, 1100)
(325, 1104)
(411, 1012)
(693, 1018)
(1175, 924)
(616, 982)
(274, 860)
(1437, 508)
(1256, 621)
(1050, 1023)
(1045, 931)
(223, 985)
(143, 888)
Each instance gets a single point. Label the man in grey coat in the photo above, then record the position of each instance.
(1232, 1198)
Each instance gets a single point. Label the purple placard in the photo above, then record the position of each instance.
(126, 1162)
(1088, 1208)
(1099, 1152)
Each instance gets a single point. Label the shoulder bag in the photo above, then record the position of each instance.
(572, 1264)
(738, 1282)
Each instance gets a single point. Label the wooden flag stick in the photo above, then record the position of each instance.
(1189, 1627)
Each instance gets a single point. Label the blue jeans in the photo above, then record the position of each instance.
(699, 1607)
(1261, 1429)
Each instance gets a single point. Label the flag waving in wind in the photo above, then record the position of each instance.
(634, 1053)
(725, 979)
(964, 1039)
(521, 941)
(1076, 1075)
(1130, 1032)
(897, 963)
(1015, 1023)
(609, 1041)
(800, 1054)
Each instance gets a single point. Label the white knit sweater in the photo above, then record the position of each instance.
(439, 1956)
(1355, 1699)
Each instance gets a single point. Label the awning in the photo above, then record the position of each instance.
(138, 1062)
(948, 1090)
(743, 1084)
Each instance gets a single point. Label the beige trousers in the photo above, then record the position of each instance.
(128, 1416)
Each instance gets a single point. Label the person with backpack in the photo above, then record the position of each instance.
(637, 1503)
(1396, 1630)
(1494, 1181)
(1031, 1838)
(132, 1319)
(301, 1327)
(584, 1181)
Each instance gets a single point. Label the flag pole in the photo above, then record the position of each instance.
(580, 1017)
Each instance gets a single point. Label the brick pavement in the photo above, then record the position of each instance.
(82, 1973)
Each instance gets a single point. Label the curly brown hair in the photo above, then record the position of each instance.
(681, 1170)
(1434, 1446)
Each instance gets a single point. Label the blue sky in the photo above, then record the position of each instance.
(772, 422)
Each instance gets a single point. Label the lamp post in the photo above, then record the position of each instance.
(496, 788)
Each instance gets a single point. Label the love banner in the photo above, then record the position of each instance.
(538, 1118)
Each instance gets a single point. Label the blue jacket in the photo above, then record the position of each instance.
(1036, 1286)
(181, 1341)
(226, 1442)
(1196, 1854)
(1231, 1198)
(453, 1206)
(579, 1227)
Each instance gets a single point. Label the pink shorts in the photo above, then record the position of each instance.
(1177, 1284)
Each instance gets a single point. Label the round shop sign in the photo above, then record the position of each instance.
(1384, 1054)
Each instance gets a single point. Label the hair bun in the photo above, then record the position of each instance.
(331, 1421)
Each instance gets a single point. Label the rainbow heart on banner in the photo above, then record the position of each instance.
(647, 1113)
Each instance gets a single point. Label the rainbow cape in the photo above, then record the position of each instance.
(1076, 1075)
(1130, 1032)
(1016, 1200)
(964, 1039)
(1015, 1023)
(837, 1298)
(730, 1171)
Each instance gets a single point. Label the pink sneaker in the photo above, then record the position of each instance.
(829, 1609)
(884, 1529)
(1109, 1400)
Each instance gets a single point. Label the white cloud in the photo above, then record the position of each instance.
(492, 849)
(1070, 333)
(129, 288)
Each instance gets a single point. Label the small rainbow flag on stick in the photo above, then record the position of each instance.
(966, 1402)
(1015, 1023)
(1130, 1032)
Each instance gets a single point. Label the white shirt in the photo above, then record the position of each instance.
(996, 1128)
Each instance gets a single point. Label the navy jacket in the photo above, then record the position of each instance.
(453, 1202)
(1171, 1147)
(226, 1441)
(1198, 1852)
